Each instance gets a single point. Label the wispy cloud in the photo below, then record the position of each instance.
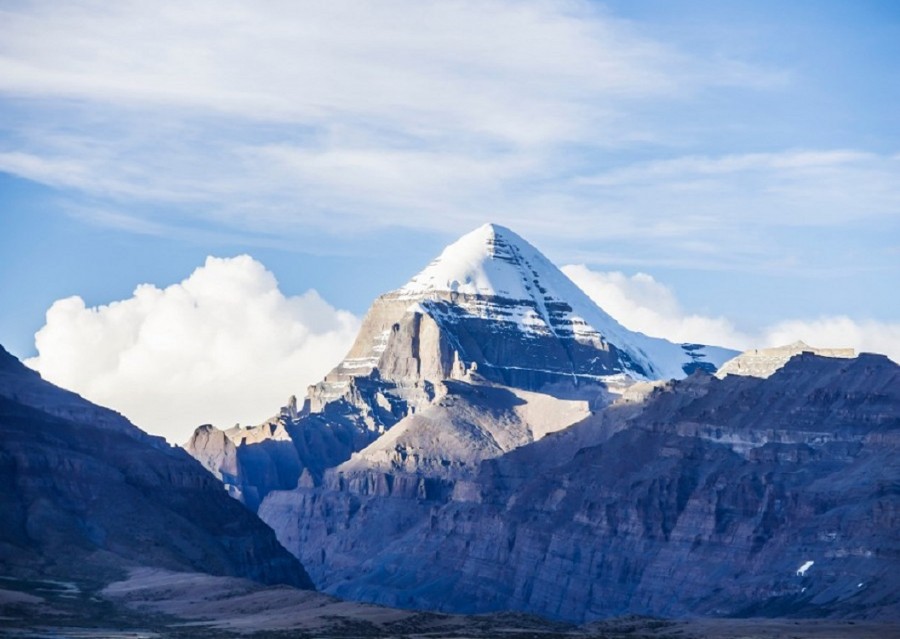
(791, 188)
(334, 114)
(520, 72)
(341, 118)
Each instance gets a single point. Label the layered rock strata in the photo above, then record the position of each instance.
(762, 362)
(741, 496)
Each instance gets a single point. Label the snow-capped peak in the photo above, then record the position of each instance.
(494, 262)
(482, 262)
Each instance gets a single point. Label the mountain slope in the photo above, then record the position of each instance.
(86, 495)
(707, 497)
(763, 362)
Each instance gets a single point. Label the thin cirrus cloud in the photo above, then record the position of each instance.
(333, 115)
(641, 303)
(332, 119)
(225, 345)
(421, 66)
(789, 188)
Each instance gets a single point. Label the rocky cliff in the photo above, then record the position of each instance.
(740, 496)
(85, 495)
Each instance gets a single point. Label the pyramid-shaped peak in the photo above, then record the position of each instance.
(492, 260)
(496, 231)
(488, 241)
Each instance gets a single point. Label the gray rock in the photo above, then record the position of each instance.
(762, 362)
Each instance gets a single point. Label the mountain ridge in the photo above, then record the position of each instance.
(724, 488)
(86, 495)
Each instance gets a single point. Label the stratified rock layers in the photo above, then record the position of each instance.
(707, 499)
(762, 362)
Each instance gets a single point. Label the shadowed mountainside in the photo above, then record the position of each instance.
(708, 498)
(86, 495)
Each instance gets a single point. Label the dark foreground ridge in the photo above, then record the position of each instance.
(85, 495)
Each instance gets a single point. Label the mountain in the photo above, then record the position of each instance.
(494, 441)
(490, 310)
(85, 495)
(493, 304)
(740, 496)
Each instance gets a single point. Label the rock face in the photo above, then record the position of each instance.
(87, 495)
(468, 424)
(763, 362)
(490, 310)
(740, 496)
(287, 448)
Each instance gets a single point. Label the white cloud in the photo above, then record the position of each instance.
(223, 346)
(334, 115)
(641, 303)
(517, 71)
(789, 188)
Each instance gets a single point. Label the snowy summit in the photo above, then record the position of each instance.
(495, 274)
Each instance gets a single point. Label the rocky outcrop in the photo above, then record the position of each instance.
(468, 424)
(277, 454)
(741, 496)
(250, 461)
(762, 362)
(83, 501)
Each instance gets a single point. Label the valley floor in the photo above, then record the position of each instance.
(156, 604)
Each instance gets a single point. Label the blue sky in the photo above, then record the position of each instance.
(746, 155)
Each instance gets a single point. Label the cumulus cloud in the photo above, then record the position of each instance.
(223, 346)
(641, 303)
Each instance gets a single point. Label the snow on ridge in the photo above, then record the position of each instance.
(494, 262)
(478, 263)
